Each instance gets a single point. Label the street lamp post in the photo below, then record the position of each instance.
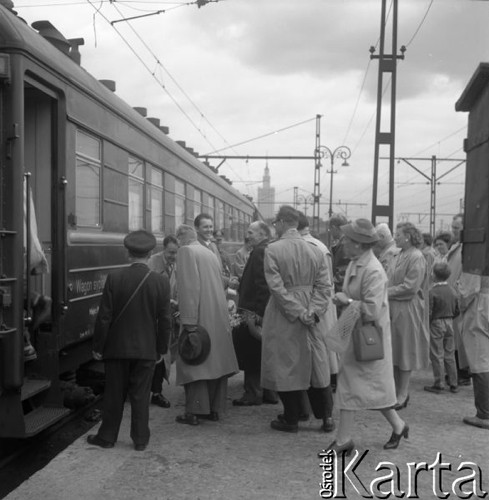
(342, 152)
(306, 200)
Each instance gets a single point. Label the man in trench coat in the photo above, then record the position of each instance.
(297, 276)
(202, 301)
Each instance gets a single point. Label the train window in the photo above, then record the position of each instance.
(241, 226)
(136, 193)
(219, 214)
(88, 168)
(179, 203)
(197, 202)
(210, 208)
(156, 200)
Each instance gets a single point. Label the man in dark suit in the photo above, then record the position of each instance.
(253, 298)
(132, 331)
(165, 263)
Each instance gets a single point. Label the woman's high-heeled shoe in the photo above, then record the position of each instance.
(346, 448)
(393, 442)
(400, 406)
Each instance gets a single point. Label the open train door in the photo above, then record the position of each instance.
(32, 258)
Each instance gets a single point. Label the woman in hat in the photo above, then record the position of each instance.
(408, 283)
(365, 385)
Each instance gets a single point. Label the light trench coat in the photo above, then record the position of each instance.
(474, 304)
(370, 384)
(297, 277)
(202, 301)
(328, 319)
(409, 325)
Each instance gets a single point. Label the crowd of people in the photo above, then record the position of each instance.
(303, 321)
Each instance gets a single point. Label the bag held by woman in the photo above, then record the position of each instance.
(367, 342)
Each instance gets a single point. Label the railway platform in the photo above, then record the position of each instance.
(241, 457)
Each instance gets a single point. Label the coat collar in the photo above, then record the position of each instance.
(362, 261)
(290, 234)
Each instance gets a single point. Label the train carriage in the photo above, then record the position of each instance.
(96, 168)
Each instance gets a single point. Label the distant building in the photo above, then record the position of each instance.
(266, 196)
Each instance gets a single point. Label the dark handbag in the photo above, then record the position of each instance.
(367, 342)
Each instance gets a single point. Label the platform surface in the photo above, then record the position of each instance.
(241, 457)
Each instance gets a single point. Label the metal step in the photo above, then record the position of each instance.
(41, 418)
(33, 386)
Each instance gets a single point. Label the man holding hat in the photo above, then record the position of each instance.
(206, 350)
(131, 334)
(297, 276)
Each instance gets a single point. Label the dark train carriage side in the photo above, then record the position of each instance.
(475, 236)
(97, 169)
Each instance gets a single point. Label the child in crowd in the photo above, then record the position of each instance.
(443, 308)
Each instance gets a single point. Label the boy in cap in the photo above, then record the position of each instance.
(131, 334)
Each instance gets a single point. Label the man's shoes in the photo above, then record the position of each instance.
(280, 425)
(213, 416)
(464, 381)
(267, 401)
(436, 389)
(328, 425)
(187, 418)
(140, 447)
(94, 440)
(454, 389)
(159, 400)
(245, 402)
(302, 418)
(482, 423)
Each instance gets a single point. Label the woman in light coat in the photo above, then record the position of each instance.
(365, 384)
(407, 288)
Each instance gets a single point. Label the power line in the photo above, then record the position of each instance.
(260, 136)
(420, 24)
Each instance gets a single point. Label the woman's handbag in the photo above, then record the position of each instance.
(367, 342)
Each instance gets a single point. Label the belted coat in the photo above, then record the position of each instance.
(367, 385)
(297, 276)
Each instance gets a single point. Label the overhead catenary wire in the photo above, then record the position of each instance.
(152, 73)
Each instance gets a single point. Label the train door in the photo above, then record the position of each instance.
(45, 276)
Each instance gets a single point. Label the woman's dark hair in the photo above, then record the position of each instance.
(444, 236)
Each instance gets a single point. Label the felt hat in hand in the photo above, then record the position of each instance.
(194, 345)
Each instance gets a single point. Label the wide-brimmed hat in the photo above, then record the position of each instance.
(194, 345)
(361, 231)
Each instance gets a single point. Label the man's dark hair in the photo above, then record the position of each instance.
(427, 238)
(264, 228)
(169, 239)
(441, 271)
(338, 220)
(288, 214)
(201, 216)
(303, 221)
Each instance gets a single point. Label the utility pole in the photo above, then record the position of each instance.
(317, 171)
(433, 180)
(387, 64)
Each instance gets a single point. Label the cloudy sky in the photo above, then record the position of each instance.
(228, 75)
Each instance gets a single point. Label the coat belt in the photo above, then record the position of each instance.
(306, 288)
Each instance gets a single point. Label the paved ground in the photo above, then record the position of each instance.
(241, 457)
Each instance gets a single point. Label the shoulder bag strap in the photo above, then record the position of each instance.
(145, 277)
